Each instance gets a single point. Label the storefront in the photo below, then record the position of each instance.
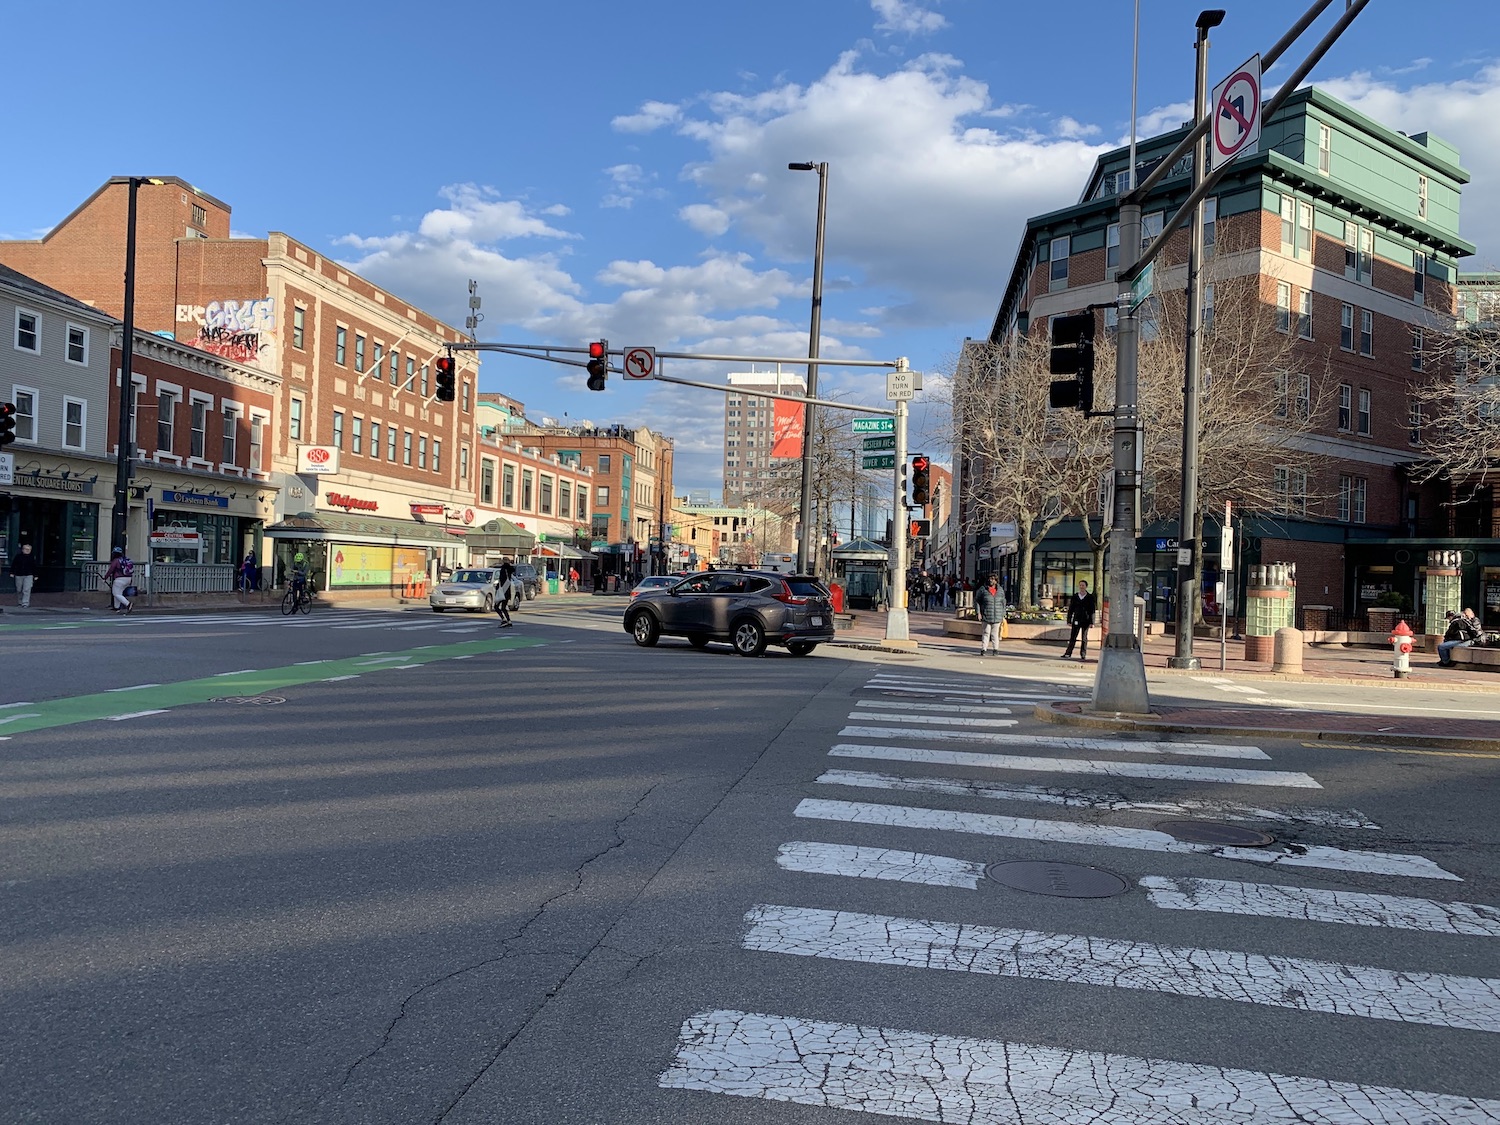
(223, 524)
(52, 506)
(353, 553)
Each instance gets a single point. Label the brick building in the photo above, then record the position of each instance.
(1350, 231)
(360, 451)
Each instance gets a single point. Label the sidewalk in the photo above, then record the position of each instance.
(1331, 665)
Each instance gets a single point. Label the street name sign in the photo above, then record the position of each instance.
(874, 425)
(1235, 105)
(880, 461)
(881, 441)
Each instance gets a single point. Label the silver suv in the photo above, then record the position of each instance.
(748, 609)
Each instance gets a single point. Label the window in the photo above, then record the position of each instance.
(1291, 491)
(1421, 197)
(1210, 223)
(1283, 306)
(422, 452)
(1358, 252)
(1352, 499)
(375, 367)
(340, 341)
(1417, 342)
(463, 462)
(294, 420)
(78, 344)
(1366, 332)
(1288, 225)
(466, 396)
(1363, 416)
(1346, 328)
(1325, 149)
(508, 487)
(299, 327)
(1358, 513)
(1150, 227)
(359, 351)
(390, 443)
(166, 406)
(1112, 247)
(544, 496)
(198, 435)
(604, 462)
(1304, 230)
(437, 455)
(1304, 314)
(229, 436)
(25, 403)
(1057, 272)
(583, 502)
(1293, 394)
(565, 499)
(1414, 421)
(411, 371)
(601, 497)
(486, 481)
(1346, 490)
(338, 429)
(1419, 277)
(526, 486)
(395, 367)
(356, 434)
(200, 216)
(425, 391)
(1346, 407)
(28, 331)
(405, 447)
(375, 440)
(257, 437)
(75, 413)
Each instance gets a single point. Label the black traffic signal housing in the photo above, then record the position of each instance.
(446, 378)
(921, 480)
(7, 423)
(598, 364)
(1073, 354)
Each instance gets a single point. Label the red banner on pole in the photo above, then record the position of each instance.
(786, 429)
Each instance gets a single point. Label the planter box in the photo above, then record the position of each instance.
(1479, 659)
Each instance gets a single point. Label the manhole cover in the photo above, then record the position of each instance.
(1061, 880)
(1215, 832)
(256, 700)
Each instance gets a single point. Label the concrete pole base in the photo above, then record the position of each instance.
(1191, 663)
(1120, 684)
(897, 625)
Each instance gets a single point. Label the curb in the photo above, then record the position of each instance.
(1070, 714)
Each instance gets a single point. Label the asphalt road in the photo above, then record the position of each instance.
(426, 870)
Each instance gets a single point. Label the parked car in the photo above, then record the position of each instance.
(470, 588)
(654, 582)
(528, 580)
(748, 609)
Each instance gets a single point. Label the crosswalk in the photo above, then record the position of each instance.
(918, 794)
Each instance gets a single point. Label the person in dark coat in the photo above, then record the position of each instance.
(23, 570)
(990, 601)
(1081, 617)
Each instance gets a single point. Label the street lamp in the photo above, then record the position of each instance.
(121, 512)
(806, 512)
(1187, 576)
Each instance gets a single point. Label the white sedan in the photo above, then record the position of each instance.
(471, 588)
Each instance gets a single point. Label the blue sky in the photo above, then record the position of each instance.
(619, 169)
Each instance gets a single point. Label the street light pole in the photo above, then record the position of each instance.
(805, 510)
(1187, 576)
(121, 514)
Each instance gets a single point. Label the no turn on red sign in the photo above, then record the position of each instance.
(1235, 109)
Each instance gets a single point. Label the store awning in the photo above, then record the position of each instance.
(861, 550)
(357, 529)
(561, 551)
(500, 535)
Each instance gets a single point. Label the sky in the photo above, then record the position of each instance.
(619, 170)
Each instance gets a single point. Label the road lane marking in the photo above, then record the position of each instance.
(1364, 991)
(1111, 836)
(1347, 908)
(23, 715)
(944, 708)
(1088, 799)
(1068, 742)
(136, 715)
(915, 1074)
(4, 706)
(134, 687)
(1161, 771)
(238, 672)
(879, 863)
(383, 660)
(939, 720)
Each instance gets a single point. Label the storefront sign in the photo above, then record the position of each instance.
(427, 509)
(53, 484)
(176, 537)
(196, 499)
(352, 503)
(317, 459)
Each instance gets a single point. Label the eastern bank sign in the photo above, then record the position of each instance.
(193, 499)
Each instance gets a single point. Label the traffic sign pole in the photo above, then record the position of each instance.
(897, 622)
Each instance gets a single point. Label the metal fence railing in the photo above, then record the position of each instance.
(168, 578)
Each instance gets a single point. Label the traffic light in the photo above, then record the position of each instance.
(1073, 354)
(446, 374)
(598, 364)
(921, 480)
(920, 529)
(7, 423)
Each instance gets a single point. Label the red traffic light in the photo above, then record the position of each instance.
(596, 349)
(598, 364)
(921, 463)
(446, 368)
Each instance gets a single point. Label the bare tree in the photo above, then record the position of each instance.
(1455, 410)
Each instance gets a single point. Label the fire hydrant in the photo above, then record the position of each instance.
(1400, 642)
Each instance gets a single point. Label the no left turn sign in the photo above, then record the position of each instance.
(1235, 106)
(640, 363)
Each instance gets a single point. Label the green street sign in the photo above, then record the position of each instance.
(874, 425)
(880, 460)
(881, 441)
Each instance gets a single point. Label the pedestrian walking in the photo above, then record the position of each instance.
(249, 573)
(1081, 617)
(23, 570)
(572, 579)
(990, 601)
(119, 575)
(504, 577)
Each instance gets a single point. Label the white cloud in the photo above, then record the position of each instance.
(704, 219)
(906, 17)
(652, 116)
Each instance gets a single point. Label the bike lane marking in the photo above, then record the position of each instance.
(144, 700)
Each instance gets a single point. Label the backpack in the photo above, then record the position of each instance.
(127, 568)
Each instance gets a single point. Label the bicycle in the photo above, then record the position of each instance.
(298, 596)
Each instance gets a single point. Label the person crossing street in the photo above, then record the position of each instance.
(990, 601)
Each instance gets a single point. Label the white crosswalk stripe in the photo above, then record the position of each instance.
(936, 845)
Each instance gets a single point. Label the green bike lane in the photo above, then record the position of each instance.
(141, 700)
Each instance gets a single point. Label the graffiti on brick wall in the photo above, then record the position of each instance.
(242, 331)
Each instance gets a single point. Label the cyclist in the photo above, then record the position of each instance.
(298, 578)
